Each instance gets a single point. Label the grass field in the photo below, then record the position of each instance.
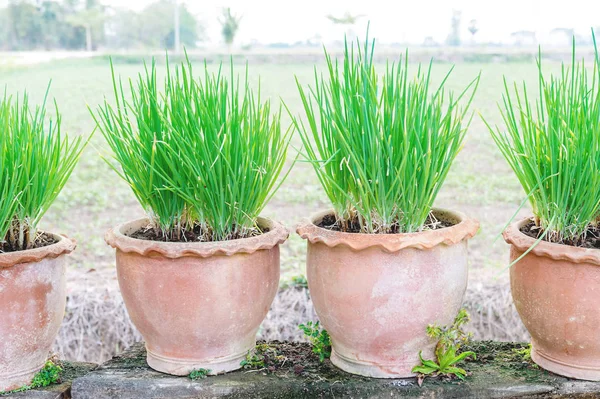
(479, 184)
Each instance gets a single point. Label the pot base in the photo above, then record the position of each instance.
(183, 367)
(568, 370)
(9, 382)
(367, 369)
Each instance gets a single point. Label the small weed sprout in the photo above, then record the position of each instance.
(298, 281)
(447, 350)
(525, 355)
(199, 374)
(255, 358)
(319, 338)
(261, 357)
(48, 375)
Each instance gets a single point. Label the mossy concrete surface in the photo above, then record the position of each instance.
(500, 371)
(71, 370)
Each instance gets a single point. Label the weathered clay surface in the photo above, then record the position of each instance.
(556, 290)
(376, 293)
(198, 305)
(463, 229)
(32, 306)
(499, 372)
(58, 391)
(118, 239)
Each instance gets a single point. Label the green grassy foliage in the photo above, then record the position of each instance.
(381, 148)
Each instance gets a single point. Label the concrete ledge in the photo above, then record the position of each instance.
(71, 370)
(499, 372)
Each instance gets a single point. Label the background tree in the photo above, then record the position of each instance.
(4, 29)
(153, 27)
(473, 29)
(347, 21)
(78, 24)
(523, 37)
(124, 29)
(52, 14)
(230, 24)
(453, 38)
(564, 34)
(24, 25)
(157, 29)
(91, 18)
(429, 41)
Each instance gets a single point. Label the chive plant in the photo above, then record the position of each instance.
(553, 147)
(36, 162)
(204, 155)
(381, 148)
(139, 137)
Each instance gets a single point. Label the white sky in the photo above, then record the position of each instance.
(269, 21)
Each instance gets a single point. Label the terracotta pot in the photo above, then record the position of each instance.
(376, 293)
(32, 307)
(197, 305)
(556, 290)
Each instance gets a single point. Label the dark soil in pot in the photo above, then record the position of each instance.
(43, 240)
(591, 239)
(197, 234)
(330, 222)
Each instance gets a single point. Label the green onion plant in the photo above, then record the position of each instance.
(381, 147)
(204, 154)
(35, 163)
(553, 147)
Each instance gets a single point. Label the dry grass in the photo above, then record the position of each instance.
(97, 326)
(493, 314)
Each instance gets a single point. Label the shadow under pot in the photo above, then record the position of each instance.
(32, 306)
(198, 305)
(376, 293)
(556, 290)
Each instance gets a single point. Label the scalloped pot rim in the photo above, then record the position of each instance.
(117, 238)
(464, 228)
(523, 242)
(65, 245)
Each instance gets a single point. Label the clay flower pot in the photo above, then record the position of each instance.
(197, 304)
(556, 290)
(376, 293)
(32, 306)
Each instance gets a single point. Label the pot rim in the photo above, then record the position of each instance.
(522, 242)
(465, 228)
(117, 239)
(65, 245)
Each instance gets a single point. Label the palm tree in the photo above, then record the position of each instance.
(346, 20)
(229, 26)
(473, 29)
(453, 38)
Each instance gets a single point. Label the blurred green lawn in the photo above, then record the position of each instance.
(479, 184)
